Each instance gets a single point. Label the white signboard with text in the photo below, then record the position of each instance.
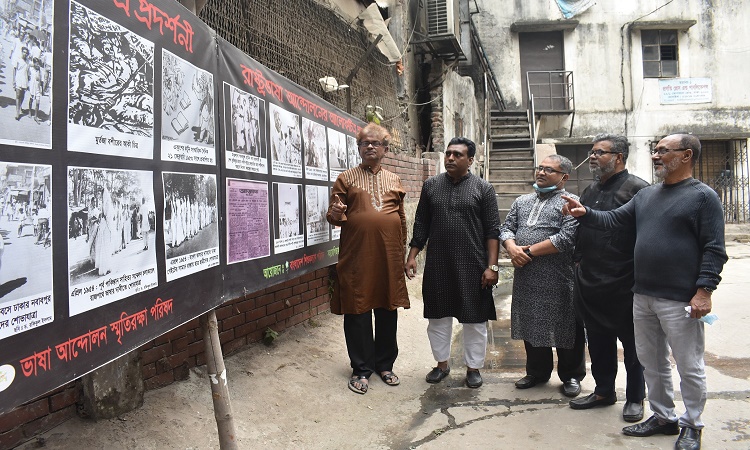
(675, 91)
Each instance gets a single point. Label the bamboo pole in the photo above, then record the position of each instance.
(217, 374)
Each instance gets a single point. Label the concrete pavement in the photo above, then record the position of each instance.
(293, 395)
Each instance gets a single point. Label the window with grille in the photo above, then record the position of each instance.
(659, 53)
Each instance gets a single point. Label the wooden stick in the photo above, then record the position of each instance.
(217, 374)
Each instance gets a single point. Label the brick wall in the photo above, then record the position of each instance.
(241, 321)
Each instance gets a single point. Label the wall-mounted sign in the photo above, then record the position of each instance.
(676, 91)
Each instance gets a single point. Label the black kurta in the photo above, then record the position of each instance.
(457, 219)
(604, 277)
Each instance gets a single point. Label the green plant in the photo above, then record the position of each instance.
(269, 336)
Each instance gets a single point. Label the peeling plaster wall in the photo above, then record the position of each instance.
(605, 56)
(459, 99)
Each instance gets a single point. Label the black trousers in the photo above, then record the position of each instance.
(368, 354)
(571, 363)
(603, 353)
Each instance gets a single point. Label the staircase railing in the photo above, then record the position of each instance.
(553, 90)
(532, 127)
(493, 86)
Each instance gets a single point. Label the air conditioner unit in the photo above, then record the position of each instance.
(442, 18)
(443, 26)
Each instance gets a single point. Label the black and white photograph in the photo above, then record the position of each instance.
(191, 226)
(26, 33)
(316, 206)
(352, 151)
(337, 155)
(111, 235)
(245, 150)
(25, 247)
(289, 234)
(285, 141)
(111, 87)
(188, 122)
(335, 230)
(316, 158)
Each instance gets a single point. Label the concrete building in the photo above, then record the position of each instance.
(642, 68)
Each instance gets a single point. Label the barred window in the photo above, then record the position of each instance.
(659, 53)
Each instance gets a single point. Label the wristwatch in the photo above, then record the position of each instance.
(528, 253)
(708, 289)
(494, 268)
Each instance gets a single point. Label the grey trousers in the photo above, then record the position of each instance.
(660, 324)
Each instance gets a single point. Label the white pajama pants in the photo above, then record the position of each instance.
(440, 333)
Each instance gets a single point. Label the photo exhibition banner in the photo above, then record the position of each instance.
(149, 172)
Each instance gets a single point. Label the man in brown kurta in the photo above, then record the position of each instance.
(367, 202)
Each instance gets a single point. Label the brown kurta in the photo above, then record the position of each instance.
(373, 239)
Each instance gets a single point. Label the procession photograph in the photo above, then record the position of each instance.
(26, 66)
(25, 240)
(191, 229)
(316, 206)
(245, 148)
(337, 153)
(289, 225)
(352, 151)
(286, 142)
(316, 159)
(187, 110)
(111, 232)
(111, 87)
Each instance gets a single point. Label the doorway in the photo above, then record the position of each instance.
(540, 51)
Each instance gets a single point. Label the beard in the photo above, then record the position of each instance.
(606, 169)
(662, 171)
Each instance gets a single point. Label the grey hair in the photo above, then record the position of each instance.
(620, 144)
(564, 162)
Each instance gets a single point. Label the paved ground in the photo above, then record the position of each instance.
(293, 395)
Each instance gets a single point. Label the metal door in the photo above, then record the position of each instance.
(724, 166)
(542, 51)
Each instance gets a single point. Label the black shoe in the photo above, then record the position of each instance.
(651, 427)
(529, 381)
(473, 379)
(590, 401)
(690, 439)
(632, 412)
(571, 388)
(437, 374)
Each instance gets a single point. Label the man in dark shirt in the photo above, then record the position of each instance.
(603, 294)
(679, 255)
(458, 214)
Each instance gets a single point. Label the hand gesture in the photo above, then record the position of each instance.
(572, 207)
(338, 208)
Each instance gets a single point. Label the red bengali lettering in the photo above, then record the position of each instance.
(124, 5)
(41, 359)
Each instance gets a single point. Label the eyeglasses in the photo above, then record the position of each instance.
(599, 153)
(547, 170)
(365, 144)
(664, 151)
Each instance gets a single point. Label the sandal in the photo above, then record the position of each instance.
(356, 384)
(390, 378)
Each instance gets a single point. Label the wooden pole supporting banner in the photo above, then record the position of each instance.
(217, 374)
